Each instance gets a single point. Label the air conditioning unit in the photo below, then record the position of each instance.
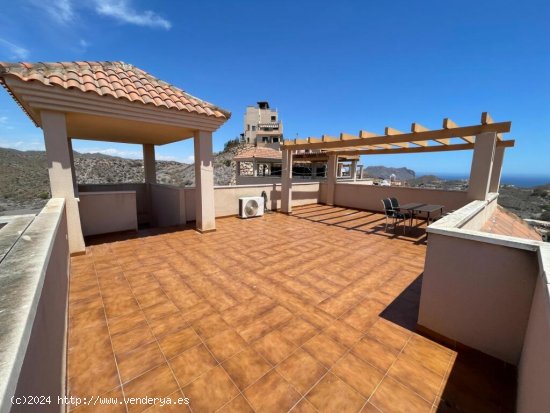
(251, 206)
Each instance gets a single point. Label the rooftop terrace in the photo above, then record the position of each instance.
(310, 312)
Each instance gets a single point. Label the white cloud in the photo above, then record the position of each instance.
(3, 120)
(123, 11)
(113, 152)
(23, 145)
(14, 51)
(61, 11)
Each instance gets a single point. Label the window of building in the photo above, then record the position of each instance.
(247, 127)
(253, 127)
(274, 119)
(275, 140)
(265, 139)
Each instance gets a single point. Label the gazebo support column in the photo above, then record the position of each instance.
(204, 182)
(60, 170)
(149, 166)
(482, 166)
(353, 170)
(496, 173)
(286, 183)
(331, 178)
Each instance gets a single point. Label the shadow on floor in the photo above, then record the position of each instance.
(476, 382)
(140, 233)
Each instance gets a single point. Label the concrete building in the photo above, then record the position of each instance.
(262, 126)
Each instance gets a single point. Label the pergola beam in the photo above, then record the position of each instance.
(449, 131)
(434, 148)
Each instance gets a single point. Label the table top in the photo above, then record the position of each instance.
(421, 207)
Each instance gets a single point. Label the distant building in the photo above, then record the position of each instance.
(262, 126)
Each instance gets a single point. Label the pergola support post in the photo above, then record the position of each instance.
(149, 166)
(353, 170)
(482, 166)
(204, 182)
(331, 178)
(286, 183)
(60, 170)
(496, 173)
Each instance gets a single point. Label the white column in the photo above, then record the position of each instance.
(58, 155)
(254, 167)
(286, 183)
(238, 166)
(353, 170)
(482, 165)
(496, 173)
(149, 166)
(204, 182)
(331, 178)
(313, 170)
(360, 171)
(339, 170)
(73, 170)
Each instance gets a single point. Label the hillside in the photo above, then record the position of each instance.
(24, 182)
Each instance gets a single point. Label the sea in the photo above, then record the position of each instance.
(522, 181)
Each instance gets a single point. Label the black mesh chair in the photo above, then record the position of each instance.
(393, 214)
(395, 205)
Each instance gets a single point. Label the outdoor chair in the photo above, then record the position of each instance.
(395, 205)
(392, 214)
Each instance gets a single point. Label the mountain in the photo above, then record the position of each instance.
(24, 182)
(401, 174)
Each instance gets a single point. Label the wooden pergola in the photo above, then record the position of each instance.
(485, 138)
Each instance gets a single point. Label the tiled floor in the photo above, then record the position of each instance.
(310, 312)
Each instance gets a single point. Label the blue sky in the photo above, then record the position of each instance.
(329, 67)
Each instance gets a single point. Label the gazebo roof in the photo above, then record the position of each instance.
(111, 101)
(116, 79)
(259, 152)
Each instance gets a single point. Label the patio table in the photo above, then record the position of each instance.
(416, 207)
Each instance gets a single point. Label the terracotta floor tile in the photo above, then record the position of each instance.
(158, 382)
(246, 367)
(97, 379)
(370, 408)
(324, 349)
(125, 342)
(272, 393)
(237, 405)
(118, 307)
(416, 377)
(210, 391)
(298, 331)
(127, 322)
(303, 406)
(429, 354)
(375, 353)
(191, 364)
(343, 333)
(225, 344)
(160, 310)
(360, 375)
(389, 334)
(136, 362)
(173, 344)
(210, 326)
(274, 347)
(169, 324)
(301, 370)
(151, 297)
(394, 397)
(333, 395)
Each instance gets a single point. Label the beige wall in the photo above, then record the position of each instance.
(37, 362)
(142, 197)
(369, 196)
(478, 294)
(167, 205)
(534, 367)
(476, 221)
(105, 212)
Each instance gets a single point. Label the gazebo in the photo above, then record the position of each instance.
(485, 139)
(116, 102)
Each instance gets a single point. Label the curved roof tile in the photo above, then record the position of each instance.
(116, 79)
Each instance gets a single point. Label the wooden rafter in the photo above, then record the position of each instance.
(418, 149)
(419, 135)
